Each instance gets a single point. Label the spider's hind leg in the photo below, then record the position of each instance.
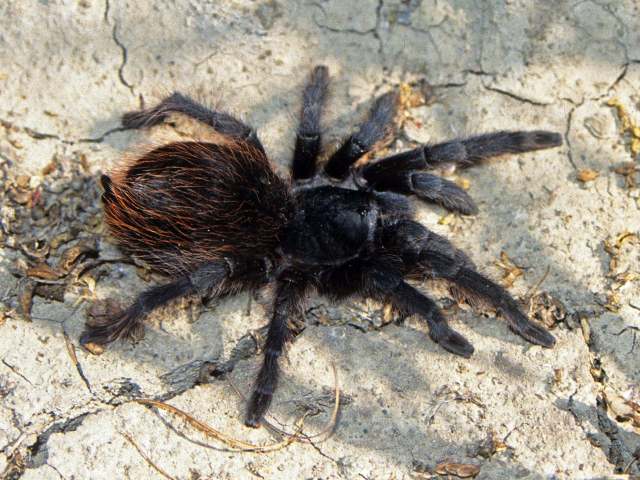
(414, 302)
(129, 324)
(179, 103)
(308, 137)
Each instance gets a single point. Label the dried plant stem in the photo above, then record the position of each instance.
(146, 458)
(323, 434)
(235, 445)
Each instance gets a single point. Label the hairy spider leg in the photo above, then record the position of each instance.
(407, 299)
(380, 277)
(433, 256)
(211, 279)
(129, 323)
(463, 152)
(398, 173)
(179, 103)
(427, 187)
(308, 137)
(289, 295)
(375, 128)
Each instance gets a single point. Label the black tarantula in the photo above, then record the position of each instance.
(215, 217)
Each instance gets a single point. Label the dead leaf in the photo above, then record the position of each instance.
(625, 410)
(628, 171)
(26, 299)
(60, 239)
(627, 125)
(558, 374)
(546, 309)
(19, 196)
(53, 292)
(37, 251)
(44, 271)
(625, 277)
(462, 470)
(491, 445)
(511, 271)
(72, 254)
(23, 181)
(587, 175)
(50, 167)
(613, 248)
(17, 144)
(94, 348)
(625, 236)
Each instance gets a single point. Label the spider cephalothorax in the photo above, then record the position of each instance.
(215, 217)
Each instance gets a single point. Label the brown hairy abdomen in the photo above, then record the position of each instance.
(187, 203)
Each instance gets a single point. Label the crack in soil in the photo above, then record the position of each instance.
(125, 55)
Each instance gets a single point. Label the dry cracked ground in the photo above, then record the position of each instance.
(559, 227)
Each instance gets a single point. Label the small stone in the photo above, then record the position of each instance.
(267, 13)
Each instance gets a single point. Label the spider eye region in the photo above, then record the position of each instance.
(331, 225)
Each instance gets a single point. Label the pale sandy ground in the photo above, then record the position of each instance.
(68, 69)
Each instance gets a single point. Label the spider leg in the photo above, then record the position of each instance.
(433, 256)
(397, 173)
(463, 152)
(407, 299)
(179, 103)
(373, 130)
(429, 188)
(308, 138)
(380, 277)
(129, 323)
(210, 278)
(290, 291)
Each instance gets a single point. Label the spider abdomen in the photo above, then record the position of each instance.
(187, 203)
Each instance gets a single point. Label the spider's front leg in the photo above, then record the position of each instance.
(430, 255)
(401, 173)
(290, 291)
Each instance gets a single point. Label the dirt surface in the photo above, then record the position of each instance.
(567, 217)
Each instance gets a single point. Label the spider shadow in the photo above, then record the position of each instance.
(609, 436)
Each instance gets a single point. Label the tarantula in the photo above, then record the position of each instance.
(215, 217)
